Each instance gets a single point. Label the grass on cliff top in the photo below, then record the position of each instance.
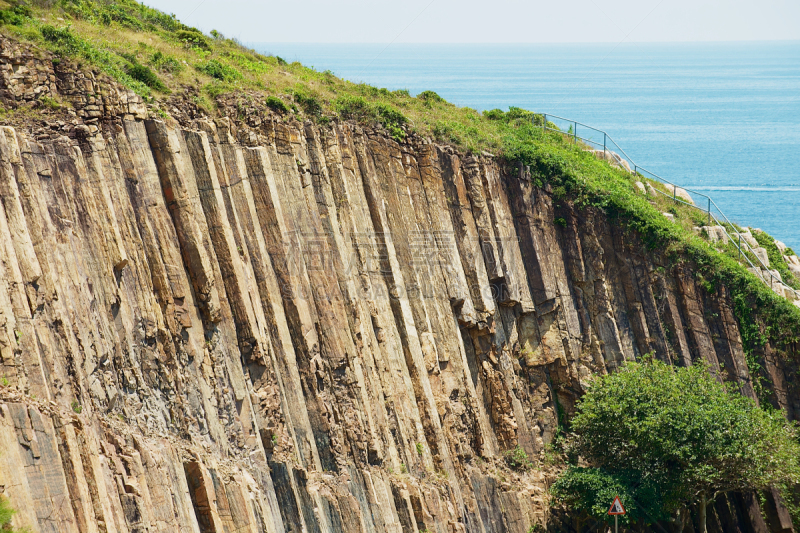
(156, 55)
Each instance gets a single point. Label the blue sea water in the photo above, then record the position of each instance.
(721, 118)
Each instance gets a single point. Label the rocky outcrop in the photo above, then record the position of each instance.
(273, 326)
(680, 194)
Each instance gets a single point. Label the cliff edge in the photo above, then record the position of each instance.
(251, 321)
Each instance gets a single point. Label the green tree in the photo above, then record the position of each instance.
(672, 439)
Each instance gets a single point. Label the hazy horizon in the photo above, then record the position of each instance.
(502, 22)
(627, 43)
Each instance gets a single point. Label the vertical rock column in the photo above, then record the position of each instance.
(282, 350)
(182, 199)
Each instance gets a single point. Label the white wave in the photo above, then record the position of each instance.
(756, 188)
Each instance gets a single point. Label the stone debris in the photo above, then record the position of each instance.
(669, 216)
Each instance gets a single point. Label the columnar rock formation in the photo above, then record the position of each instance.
(281, 327)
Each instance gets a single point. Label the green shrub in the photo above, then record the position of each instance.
(430, 97)
(194, 39)
(218, 70)
(353, 108)
(165, 63)
(216, 88)
(517, 113)
(494, 114)
(142, 73)
(327, 77)
(308, 103)
(276, 104)
(65, 42)
(517, 459)
(154, 17)
(249, 62)
(16, 15)
(118, 14)
(358, 109)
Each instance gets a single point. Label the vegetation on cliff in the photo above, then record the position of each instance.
(6, 513)
(669, 440)
(162, 59)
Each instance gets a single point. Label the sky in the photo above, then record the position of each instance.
(498, 21)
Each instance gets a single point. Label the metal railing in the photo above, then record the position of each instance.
(715, 214)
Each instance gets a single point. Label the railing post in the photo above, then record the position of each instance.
(575, 133)
(604, 145)
(740, 244)
(709, 211)
(544, 122)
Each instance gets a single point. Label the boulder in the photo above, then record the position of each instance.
(651, 190)
(669, 216)
(773, 279)
(716, 233)
(680, 193)
(780, 245)
(747, 236)
(761, 253)
(640, 187)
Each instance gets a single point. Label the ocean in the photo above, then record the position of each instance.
(720, 118)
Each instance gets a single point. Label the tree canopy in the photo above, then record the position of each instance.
(669, 439)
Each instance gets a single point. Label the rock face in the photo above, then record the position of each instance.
(275, 327)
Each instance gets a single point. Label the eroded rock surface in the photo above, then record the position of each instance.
(267, 326)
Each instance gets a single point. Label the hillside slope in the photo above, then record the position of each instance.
(317, 306)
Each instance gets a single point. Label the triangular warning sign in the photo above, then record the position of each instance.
(616, 507)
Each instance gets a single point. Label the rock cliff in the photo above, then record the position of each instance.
(253, 324)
